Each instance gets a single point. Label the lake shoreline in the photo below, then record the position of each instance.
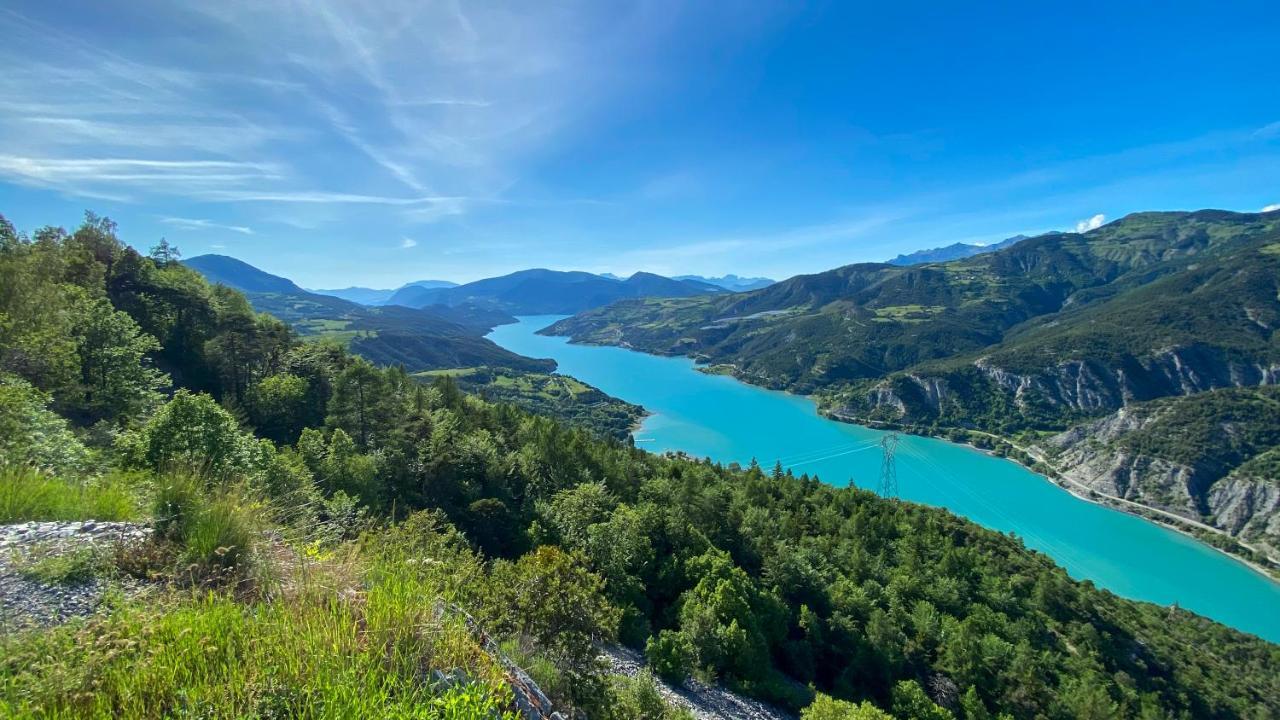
(1161, 518)
(735, 419)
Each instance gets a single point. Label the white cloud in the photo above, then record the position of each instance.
(1092, 223)
(202, 224)
(407, 243)
(1271, 208)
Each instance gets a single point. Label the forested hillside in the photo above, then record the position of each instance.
(564, 398)
(1025, 342)
(419, 339)
(319, 525)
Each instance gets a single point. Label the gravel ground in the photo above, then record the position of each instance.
(706, 702)
(26, 602)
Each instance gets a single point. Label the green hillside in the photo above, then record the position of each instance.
(564, 398)
(870, 320)
(549, 292)
(1030, 340)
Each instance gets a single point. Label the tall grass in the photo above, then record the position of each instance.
(27, 494)
(319, 653)
(214, 528)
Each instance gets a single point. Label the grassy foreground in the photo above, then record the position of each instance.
(368, 628)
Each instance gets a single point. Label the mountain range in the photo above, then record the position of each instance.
(550, 292)
(731, 282)
(435, 324)
(445, 337)
(373, 296)
(954, 251)
(1027, 342)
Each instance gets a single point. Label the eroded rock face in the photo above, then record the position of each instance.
(1092, 454)
(1151, 481)
(1246, 507)
(934, 390)
(1078, 387)
(882, 396)
(1077, 384)
(1092, 386)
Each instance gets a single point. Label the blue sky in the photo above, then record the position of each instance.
(374, 143)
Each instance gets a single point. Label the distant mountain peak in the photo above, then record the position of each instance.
(238, 274)
(954, 251)
(731, 282)
(374, 296)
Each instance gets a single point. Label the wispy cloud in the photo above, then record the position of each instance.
(406, 243)
(1092, 223)
(203, 224)
(1271, 208)
(322, 198)
(418, 106)
(746, 248)
(1270, 130)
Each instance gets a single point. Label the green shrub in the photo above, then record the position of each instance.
(637, 698)
(826, 708)
(671, 655)
(33, 436)
(469, 702)
(191, 433)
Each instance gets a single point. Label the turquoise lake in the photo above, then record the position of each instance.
(730, 421)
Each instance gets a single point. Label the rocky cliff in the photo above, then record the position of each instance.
(1107, 456)
(1068, 390)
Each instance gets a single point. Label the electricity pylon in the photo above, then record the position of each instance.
(889, 469)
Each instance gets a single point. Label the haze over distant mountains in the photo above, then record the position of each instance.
(954, 251)
(731, 282)
(419, 339)
(433, 323)
(377, 296)
(545, 292)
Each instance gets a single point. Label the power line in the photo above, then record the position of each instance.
(889, 468)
